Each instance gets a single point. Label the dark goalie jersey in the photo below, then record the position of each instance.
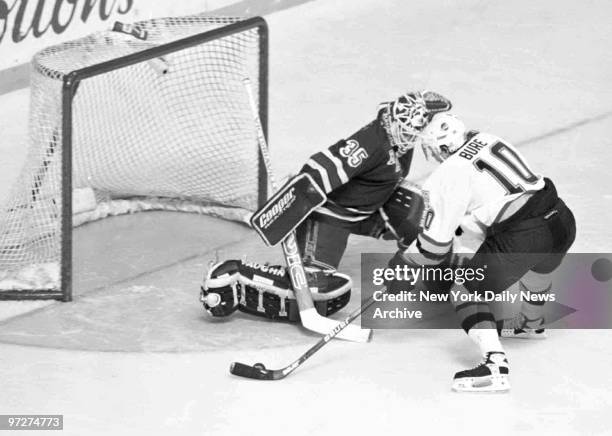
(358, 174)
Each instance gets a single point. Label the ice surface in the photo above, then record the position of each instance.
(537, 73)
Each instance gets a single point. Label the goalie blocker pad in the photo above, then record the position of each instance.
(265, 290)
(287, 208)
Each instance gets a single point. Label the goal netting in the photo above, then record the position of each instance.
(149, 116)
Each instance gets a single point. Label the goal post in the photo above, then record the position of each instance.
(148, 116)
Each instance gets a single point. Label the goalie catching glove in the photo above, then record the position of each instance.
(403, 214)
(265, 290)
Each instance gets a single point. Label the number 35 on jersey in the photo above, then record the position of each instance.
(353, 153)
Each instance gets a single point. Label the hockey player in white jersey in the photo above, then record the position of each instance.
(485, 192)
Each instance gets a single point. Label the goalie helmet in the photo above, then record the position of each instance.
(443, 136)
(404, 119)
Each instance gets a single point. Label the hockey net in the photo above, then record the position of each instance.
(125, 132)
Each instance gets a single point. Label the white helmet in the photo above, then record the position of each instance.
(443, 136)
(404, 120)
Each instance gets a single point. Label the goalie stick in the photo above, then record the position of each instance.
(260, 372)
(309, 316)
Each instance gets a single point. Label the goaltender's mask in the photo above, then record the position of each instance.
(443, 136)
(404, 120)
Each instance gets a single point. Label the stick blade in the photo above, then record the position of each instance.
(356, 334)
(257, 371)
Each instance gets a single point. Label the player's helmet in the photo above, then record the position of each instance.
(443, 136)
(406, 118)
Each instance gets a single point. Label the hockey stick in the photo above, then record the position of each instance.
(309, 316)
(260, 372)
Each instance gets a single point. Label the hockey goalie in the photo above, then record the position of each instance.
(356, 186)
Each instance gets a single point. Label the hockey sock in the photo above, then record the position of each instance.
(479, 323)
(472, 314)
(533, 310)
(486, 339)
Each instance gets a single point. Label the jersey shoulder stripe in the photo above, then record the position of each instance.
(346, 159)
(335, 177)
(319, 174)
(338, 164)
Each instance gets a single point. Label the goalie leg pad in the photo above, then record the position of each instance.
(220, 293)
(265, 290)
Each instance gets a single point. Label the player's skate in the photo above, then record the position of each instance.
(490, 376)
(521, 327)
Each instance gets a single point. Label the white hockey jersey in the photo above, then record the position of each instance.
(482, 183)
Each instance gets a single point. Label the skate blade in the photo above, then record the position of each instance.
(489, 385)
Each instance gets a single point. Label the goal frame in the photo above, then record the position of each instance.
(69, 89)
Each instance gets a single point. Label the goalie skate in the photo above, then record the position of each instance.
(490, 376)
(520, 327)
